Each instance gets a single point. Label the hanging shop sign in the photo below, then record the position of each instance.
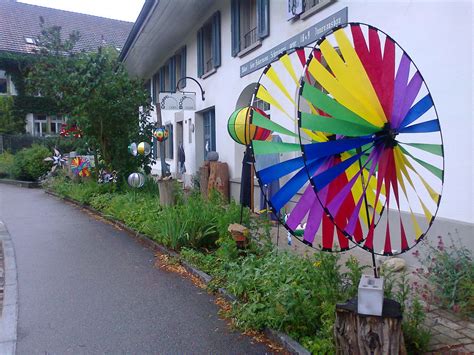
(177, 101)
(310, 35)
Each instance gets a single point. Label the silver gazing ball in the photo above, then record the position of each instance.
(136, 180)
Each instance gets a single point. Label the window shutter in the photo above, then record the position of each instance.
(216, 39)
(155, 84)
(183, 67)
(200, 54)
(235, 27)
(263, 19)
(155, 148)
(172, 71)
(162, 79)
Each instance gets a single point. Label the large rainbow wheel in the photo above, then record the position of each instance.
(384, 148)
(279, 164)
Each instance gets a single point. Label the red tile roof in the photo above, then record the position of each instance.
(18, 20)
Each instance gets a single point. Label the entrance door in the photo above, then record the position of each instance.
(209, 125)
(179, 142)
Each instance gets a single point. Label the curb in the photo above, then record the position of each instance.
(290, 345)
(20, 183)
(9, 315)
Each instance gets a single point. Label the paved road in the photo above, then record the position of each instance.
(86, 287)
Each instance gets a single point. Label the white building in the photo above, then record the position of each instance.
(201, 39)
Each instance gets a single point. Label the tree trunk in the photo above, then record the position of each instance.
(167, 192)
(358, 334)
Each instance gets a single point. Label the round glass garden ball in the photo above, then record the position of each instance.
(132, 149)
(144, 148)
(161, 134)
(136, 180)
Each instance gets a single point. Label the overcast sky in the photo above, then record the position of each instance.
(126, 10)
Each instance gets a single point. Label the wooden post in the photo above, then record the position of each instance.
(167, 192)
(358, 334)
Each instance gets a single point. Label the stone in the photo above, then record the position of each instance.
(219, 179)
(212, 156)
(394, 264)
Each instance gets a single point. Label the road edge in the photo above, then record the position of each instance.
(9, 315)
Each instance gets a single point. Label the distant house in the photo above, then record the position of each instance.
(19, 30)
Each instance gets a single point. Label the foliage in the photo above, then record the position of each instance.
(8, 124)
(96, 91)
(6, 165)
(29, 164)
(449, 271)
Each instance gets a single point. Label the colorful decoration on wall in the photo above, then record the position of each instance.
(144, 148)
(58, 160)
(161, 134)
(106, 177)
(133, 149)
(81, 167)
(70, 131)
(378, 139)
(136, 180)
(242, 131)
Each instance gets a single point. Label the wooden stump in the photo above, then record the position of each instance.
(167, 192)
(204, 178)
(219, 178)
(361, 334)
(240, 235)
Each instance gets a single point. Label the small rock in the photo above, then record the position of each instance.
(394, 264)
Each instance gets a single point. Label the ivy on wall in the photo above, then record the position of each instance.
(13, 110)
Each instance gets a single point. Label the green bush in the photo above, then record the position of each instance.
(6, 165)
(29, 163)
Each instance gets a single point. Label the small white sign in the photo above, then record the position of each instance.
(177, 101)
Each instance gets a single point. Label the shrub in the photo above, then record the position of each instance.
(29, 163)
(6, 165)
(449, 271)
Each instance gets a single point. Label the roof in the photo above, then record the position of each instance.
(18, 21)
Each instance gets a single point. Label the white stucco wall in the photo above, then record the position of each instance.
(438, 37)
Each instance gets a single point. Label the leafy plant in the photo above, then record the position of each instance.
(6, 164)
(29, 164)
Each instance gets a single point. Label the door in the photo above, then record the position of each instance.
(209, 130)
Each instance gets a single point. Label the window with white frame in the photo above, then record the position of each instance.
(248, 23)
(262, 105)
(40, 125)
(55, 124)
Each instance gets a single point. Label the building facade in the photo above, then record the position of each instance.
(19, 30)
(225, 45)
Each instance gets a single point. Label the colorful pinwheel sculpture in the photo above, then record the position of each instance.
(106, 177)
(376, 140)
(295, 203)
(81, 167)
(59, 160)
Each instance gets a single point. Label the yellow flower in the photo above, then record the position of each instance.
(317, 263)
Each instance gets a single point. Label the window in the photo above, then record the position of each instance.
(262, 105)
(40, 125)
(169, 142)
(3, 82)
(55, 124)
(313, 6)
(209, 124)
(155, 87)
(249, 23)
(209, 45)
(30, 40)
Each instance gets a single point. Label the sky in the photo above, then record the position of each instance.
(125, 10)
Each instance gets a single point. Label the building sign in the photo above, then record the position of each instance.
(177, 101)
(310, 35)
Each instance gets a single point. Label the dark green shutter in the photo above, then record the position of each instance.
(200, 54)
(235, 27)
(216, 39)
(162, 79)
(182, 84)
(155, 88)
(172, 71)
(263, 19)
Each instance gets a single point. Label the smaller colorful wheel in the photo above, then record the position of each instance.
(136, 180)
(242, 131)
(144, 148)
(80, 167)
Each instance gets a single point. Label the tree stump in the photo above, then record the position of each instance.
(167, 192)
(358, 334)
(219, 179)
(204, 178)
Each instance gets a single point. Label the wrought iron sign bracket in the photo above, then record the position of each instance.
(184, 92)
